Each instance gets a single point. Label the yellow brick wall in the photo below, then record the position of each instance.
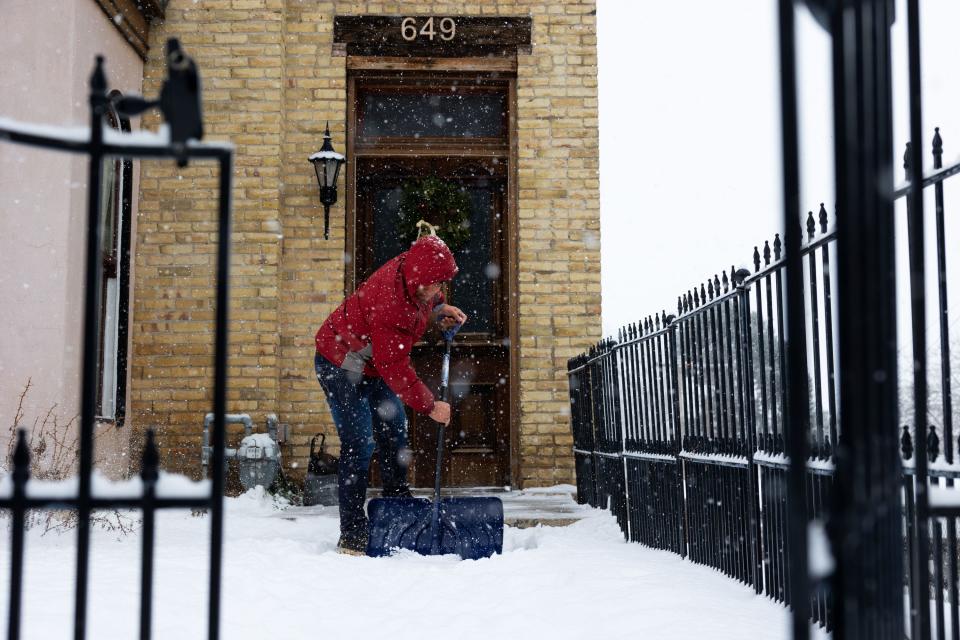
(270, 85)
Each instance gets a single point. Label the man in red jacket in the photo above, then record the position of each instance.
(363, 365)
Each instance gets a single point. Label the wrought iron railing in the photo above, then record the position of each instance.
(681, 424)
(180, 105)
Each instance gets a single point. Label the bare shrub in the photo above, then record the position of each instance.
(54, 452)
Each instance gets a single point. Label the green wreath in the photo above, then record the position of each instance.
(444, 204)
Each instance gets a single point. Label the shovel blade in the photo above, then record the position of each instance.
(469, 527)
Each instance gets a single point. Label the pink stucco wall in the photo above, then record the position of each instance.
(47, 49)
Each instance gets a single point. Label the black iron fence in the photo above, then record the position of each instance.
(180, 104)
(681, 427)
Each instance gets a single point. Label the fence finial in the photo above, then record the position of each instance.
(716, 284)
(726, 282)
(937, 148)
(811, 225)
(98, 79)
(21, 459)
(756, 258)
(933, 444)
(777, 246)
(151, 459)
(710, 288)
(823, 218)
(906, 161)
(906, 443)
(766, 253)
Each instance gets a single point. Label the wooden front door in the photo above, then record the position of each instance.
(390, 156)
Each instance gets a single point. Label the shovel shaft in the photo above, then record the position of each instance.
(444, 387)
(436, 484)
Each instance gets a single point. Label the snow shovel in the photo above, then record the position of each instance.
(469, 527)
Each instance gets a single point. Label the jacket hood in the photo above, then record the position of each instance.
(428, 261)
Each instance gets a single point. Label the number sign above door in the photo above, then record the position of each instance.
(431, 36)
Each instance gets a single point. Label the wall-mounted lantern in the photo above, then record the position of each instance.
(327, 164)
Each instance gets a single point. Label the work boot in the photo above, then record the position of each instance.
(353, 543)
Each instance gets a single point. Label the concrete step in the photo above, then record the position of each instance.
(548, 506)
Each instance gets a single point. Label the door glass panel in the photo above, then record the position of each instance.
(473, 287)
(415, 115)
(387, 243)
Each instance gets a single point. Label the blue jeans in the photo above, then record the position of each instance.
(367, 414)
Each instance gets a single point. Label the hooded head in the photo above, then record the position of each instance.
(428, 261)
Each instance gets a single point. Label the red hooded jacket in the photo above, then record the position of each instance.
(382, 319)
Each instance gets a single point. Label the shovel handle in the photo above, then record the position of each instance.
(444, 394)
(445, 374)
(452, 331)
(444, 389)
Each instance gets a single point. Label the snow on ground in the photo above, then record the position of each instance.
(283, 579)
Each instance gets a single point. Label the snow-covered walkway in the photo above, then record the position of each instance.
(283, 579)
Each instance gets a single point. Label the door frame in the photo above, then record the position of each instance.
(504, 68)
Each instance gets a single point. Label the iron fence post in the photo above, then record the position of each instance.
(945, 383)
(91, 332)
(149, 473)
(749, 414)
(865, 521)
(220, 393)
(21, 474)
(673, 352)
(797, 413)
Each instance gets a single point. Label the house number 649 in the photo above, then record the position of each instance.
(409, 31)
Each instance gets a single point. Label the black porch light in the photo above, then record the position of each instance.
(327, 164)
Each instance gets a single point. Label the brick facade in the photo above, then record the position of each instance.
(271, 83)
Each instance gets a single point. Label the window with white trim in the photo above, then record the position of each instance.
(115, 206)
